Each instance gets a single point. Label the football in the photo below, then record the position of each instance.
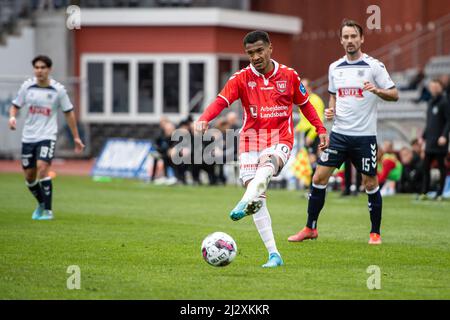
(219, 249)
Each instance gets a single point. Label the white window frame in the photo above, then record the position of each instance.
(107, 116)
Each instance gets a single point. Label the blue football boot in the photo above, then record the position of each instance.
(46, 215)
(274, 261)
(38, 212)
(244, 208)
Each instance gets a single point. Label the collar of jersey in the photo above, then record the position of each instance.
(363, 56)
(50, 82)
(274, 72)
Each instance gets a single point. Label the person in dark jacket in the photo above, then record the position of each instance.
(435, 136)
(163, 144)
(412, 174)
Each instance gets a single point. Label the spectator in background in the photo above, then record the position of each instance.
(435, 136)
(219, 175)
(349, 187)
(412, 174)
(195, 147)
(417, 148)
(445, 80)
(389, 169)
(232, 120)
(425, 94)
(416, 82)
(163, 144)
(184, 148)
(231, 168)
(309, 131)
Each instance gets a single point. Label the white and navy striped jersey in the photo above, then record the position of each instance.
(356, 110)
(40, 105)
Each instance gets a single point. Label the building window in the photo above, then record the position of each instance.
(196, 87)
(146, 101)
(95, 87)
(243, 63)
(140, 88)
(171, 94)
(121, 75)
(225, 72)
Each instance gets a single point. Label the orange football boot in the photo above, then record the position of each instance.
(375, 238)
(304, 234)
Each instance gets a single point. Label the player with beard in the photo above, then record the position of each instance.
(356, 83)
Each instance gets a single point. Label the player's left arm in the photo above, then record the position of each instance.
(318, 104)
(72, 123)
(71, 119)
(442, 140)
(385, 94)
(301, 98)
(383, 87)
(13, 110)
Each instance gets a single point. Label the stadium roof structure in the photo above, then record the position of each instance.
(191, 17)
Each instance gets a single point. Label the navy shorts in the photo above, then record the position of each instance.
(31, 152)
(362, 151)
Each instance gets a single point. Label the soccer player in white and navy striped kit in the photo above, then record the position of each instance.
(39, 99)
(356, 82)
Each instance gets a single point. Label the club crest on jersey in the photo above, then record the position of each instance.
(251, 84)
(360, 73)
(302, 89)
(281, 86)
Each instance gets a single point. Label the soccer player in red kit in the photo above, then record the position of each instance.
(267, 91)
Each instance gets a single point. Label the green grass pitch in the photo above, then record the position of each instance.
(132, 240)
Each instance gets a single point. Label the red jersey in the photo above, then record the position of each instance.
(268, 103)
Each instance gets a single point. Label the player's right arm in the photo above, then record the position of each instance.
(12, 117)
(226, 97)
(331, 110)
(17, 103)
(210, 113)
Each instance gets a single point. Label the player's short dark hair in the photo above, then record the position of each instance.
(353, 24)
(45, 59)
(255, 36)
(439, 81)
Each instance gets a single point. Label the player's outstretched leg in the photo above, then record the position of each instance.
(263, 223)
(250, 204)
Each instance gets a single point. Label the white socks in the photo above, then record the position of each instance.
(264, 225)
(260, 182)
